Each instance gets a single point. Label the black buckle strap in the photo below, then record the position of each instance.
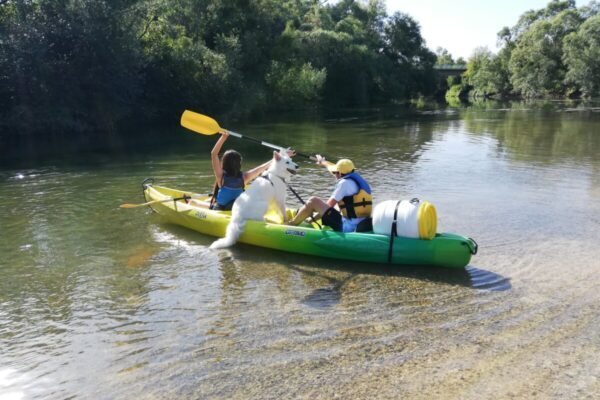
(146, 183)
(349, 204)
(393, 232)
(266, 176)
(362, 203)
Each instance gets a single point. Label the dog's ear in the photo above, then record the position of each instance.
(276, 155)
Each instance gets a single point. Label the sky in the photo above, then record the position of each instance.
(460, 26)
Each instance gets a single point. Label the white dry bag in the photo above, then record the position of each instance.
(414, 218)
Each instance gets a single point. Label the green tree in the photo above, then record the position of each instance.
(582, 57)
(413, 62)
(501, 72)
(527, 19)
(486, 73)
(479, 73)
(536, 62)
(214, 55)
(295, 86)
(443, 57)
(72, 67)
(368, 57)
(590, 10)
(68, 65)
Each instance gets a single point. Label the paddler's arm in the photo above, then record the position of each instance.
(214, 156)
(324, 163)
(333, 201)
(250, 175)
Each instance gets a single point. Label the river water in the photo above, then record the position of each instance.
(102, 302)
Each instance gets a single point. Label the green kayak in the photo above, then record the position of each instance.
(443, 250)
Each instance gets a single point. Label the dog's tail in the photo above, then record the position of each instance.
(234, 230)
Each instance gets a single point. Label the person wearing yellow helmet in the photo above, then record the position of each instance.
(348, 209)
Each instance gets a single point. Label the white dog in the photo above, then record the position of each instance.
(267, 192)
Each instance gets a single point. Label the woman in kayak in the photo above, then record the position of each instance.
(352, 196)
(230, 180)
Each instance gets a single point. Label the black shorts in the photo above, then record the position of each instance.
(219, 207)
(333, 219)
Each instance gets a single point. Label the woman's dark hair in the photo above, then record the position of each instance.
(231, 162)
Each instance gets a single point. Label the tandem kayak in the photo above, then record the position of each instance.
(444, 250)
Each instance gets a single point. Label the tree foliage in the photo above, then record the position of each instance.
(536, 64)
(582, 57)
(549, 52)
(73, 66)
(70, 61)
(481, 73)
(443, 57)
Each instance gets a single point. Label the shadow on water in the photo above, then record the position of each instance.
(487, 280)
(470, 277)
(337, 274)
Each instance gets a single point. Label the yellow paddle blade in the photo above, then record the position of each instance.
(199, 123)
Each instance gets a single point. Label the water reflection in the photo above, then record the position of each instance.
(539, 136)
(328, 279)
(86, 286)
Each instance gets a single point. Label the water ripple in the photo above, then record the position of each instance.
(87, 286)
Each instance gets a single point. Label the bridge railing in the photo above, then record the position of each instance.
(453, 67)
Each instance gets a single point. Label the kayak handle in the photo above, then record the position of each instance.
(472, 245)
(147, 182)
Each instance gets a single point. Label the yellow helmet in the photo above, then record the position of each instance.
(343, 166)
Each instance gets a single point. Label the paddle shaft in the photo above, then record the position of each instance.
(303, 203)
(156, 202)
(267, 144)
(206, 125)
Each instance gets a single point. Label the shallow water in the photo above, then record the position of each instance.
(101, 302)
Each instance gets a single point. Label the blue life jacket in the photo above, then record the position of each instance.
(360, 204)
(231, 188)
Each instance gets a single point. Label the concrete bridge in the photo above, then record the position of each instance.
(446, 70)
